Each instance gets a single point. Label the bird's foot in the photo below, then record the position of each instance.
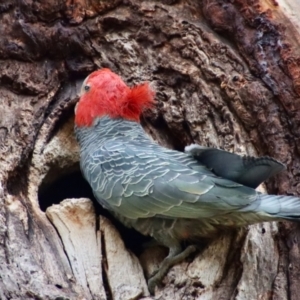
(166, 264)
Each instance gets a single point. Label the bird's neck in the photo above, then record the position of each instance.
(105, 128)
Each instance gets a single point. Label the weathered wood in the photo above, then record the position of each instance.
(124, 272)
(226, 75)
(84, 245)
(75, 221)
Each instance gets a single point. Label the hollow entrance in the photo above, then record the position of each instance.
(56, 188)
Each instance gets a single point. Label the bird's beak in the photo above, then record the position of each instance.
(75, 109)
(82, 87)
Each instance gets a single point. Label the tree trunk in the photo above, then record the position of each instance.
(227, 75)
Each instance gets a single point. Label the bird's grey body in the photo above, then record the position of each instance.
(168, 194)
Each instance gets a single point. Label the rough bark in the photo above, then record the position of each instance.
(227, 75)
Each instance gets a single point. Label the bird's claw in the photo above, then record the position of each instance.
(166, 264)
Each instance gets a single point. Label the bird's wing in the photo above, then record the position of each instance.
(247, 170)
(138, 183)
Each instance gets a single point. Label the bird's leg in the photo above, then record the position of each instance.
(176, 255)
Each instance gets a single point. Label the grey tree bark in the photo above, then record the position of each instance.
(227, 75)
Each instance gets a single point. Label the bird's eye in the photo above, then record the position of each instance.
(87, 87)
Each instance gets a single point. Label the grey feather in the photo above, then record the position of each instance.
(145, 185)
(246, 170)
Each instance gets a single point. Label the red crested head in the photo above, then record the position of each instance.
(104, 93)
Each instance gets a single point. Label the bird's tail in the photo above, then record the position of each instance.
(280, 207)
